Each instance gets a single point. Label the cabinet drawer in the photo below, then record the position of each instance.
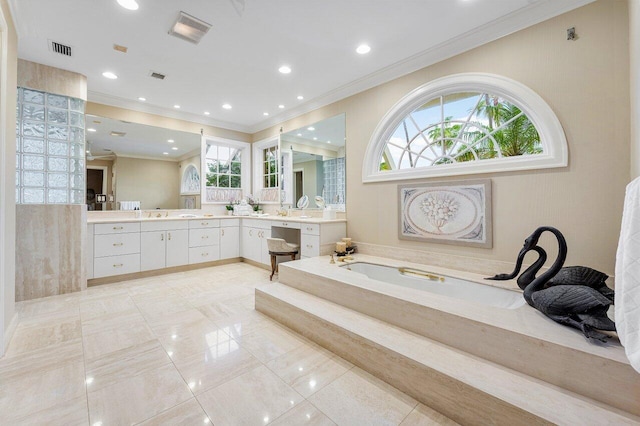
(309, 245)
(164, 225)
(229, 222)
(204, 223)
(286, 224)
(204, 254)
(257, 223)
(116, 244)
(204, 237)
(116, 265)
(310, 228)
(116, 228)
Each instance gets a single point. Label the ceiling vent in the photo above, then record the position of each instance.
(118, 134)
(157, 75)
(60, 48)
(189, 28)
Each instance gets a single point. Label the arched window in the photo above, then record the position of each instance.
(190, 180)
(464, 124)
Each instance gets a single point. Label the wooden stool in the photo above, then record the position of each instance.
(279, 247)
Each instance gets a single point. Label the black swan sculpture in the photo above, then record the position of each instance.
(568, 275)
(577, 306)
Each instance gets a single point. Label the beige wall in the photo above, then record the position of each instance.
(634, 62)
(586, 83)
(8, 84)
(155, 183)
(311, 185)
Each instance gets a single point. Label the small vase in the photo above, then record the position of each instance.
(229, 212)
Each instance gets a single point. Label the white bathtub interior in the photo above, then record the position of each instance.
(440, 284)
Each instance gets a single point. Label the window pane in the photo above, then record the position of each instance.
(236, 182)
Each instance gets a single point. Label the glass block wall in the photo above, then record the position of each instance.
(334, 187)
(50, 149)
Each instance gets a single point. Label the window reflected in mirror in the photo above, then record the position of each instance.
(313, 163)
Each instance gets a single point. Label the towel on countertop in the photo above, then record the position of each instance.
(129, 205)
(627, 303)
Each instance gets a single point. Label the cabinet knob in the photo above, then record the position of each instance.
(205, 254)
(118, 265)
(251, 232)
(204, 223)
(204, 237)
(161, 237)
(309, 229)
(222, 232)
(309, 246)
(117, 244)
(115, 228)
(168, 235)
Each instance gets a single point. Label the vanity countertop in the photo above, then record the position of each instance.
(115, 218)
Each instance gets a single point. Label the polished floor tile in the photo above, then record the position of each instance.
(308, 368)
(304, 414)
(270, 342)
(358, 398)
(255, 398)
(138, 398)
(186, 348)
(37, 390)
(187, 413)
(117, 366)
(220, 364)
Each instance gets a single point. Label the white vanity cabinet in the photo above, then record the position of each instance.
(89, 251)
(317, 239)
(229, 238)
(204, 240)
(254, 240)
(163, 244)
(116, 249)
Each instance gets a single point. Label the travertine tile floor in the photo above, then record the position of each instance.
(183, 349)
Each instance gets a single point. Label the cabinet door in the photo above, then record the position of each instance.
(264, 256)
(229, 242)
(177, 247)
(250, 244)
(152, 250)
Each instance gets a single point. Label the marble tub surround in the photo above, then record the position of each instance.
(521, 339)
(182, 348)
(50, 255)
(465, 388)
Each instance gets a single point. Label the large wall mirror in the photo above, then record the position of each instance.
(135, 165)
(313, 163)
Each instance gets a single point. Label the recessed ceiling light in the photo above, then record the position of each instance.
(141, 99)
(328, 141)
(170, 140)
(175, 148)
(315, 139)
(109, 75)
(300, 97)
(176, 106)
(91, 129)
(265, 114)
(207, 113)
(311, 128)
(299, 134)
(129, 4)
(363, 49)
(281, 106)
(165, 153)
(285, 69)
(227, 106)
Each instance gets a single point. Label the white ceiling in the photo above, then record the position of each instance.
(139, 141)
(237, 61)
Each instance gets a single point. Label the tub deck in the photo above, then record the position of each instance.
(520, 340)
